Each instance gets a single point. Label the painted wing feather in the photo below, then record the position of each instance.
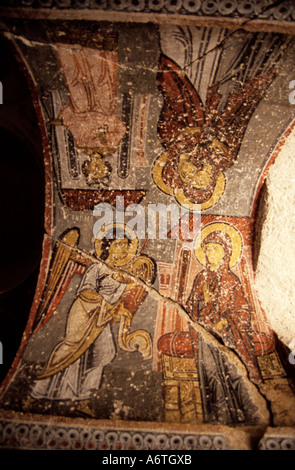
(182, 106)
(61, 256)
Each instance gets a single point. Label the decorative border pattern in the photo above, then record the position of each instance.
(41, 436)
(214, 8)
(277, 443)
(34, 436)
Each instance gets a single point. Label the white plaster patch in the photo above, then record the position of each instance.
(275, 275)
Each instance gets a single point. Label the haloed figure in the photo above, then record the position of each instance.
(75, 366)
(197, 177)
(217, 302)
(215, 255)
(118, 250)
(217, 299)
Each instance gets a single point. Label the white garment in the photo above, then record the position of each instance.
(84, 375)
(78, 380)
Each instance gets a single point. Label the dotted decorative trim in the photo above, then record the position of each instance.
(57, 437)
(227, 8)
(277, 443)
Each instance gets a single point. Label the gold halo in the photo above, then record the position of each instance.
(157, 173)
(232, 232)
(132, 247)
(178, 192)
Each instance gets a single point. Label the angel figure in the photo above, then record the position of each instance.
(105, 294)
(201, 140)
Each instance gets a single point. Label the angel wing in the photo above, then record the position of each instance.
(64, 263)
(183, 111)
(230, 124)
(182, 108)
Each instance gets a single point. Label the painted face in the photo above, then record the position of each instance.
(190, 175)
(215, 254)
(119, 249)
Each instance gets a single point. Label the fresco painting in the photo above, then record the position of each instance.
(120, 322)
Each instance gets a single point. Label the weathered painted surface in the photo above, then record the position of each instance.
(180, 116)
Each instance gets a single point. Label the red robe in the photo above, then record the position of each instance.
(227, 302)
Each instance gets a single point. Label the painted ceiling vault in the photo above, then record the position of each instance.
(157, 140)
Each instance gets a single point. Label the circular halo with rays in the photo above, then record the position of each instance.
(232, 232)
(127, 231)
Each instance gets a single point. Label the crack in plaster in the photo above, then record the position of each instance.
(259, 395)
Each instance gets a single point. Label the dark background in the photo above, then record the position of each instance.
(21, 203)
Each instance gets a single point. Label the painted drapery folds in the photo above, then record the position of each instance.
(158, 116)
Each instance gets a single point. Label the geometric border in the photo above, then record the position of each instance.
(277, 443)
(246, 9)
(35, 432)
(44, 436)
(278, 439)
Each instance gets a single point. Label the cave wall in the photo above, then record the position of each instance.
(163, 138)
